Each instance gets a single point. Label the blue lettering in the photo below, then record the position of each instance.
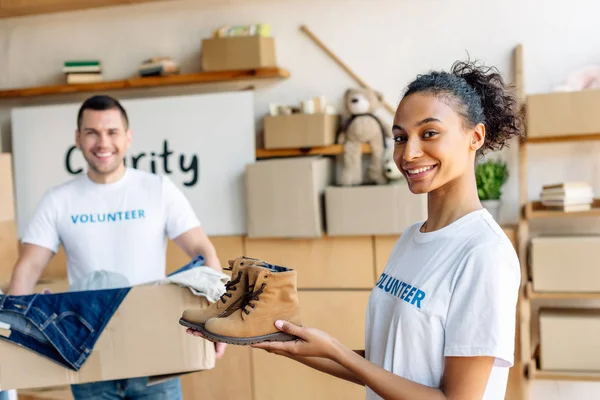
(382, 281)
(126, 214)
(390, 284)
(396, 287)
(74, 218)
(418, 297)
(112, 217)
(83, 218)
(120, 213)
(405, 291)
(141, 213)
(409, 295)
(402, 286)
(101, 217)
(133, 214)
(92, 218)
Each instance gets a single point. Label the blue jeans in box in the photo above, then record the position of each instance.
(63, 327)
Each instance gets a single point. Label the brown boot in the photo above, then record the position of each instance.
(230, 301)
(272, 296)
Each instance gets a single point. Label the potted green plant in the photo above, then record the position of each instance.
(490, 177)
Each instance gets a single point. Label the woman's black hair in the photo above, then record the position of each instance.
(479, 94)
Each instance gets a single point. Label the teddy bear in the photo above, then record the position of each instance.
(359, 124)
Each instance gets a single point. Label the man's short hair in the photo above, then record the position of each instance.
(101, 103)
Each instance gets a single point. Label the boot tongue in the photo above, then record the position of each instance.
(255, 273)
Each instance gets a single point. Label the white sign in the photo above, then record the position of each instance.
(202, 142)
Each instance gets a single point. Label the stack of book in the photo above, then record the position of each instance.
(158, 66)
(568, 196)
(82, 71)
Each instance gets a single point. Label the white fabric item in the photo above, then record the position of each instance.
(202, 281)
(451, 292)
(120, 227)
(98, 280)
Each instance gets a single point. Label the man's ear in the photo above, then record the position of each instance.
(478, 137)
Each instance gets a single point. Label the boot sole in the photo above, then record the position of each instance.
(273, 337)
(195, 327)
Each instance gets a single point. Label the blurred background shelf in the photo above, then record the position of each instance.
(231, 80)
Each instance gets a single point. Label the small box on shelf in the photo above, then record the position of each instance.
(238, 52)
(300, 130)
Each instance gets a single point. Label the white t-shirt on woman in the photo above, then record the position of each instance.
(451, 292)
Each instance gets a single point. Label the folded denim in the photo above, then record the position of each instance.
(64, 327)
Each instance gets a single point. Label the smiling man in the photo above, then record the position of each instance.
(115, 219)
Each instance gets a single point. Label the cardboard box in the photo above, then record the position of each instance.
(344, 319)
(284, 197)
(9, 242)
(563, 114)
(372, 210)
(300, 130)
(325, 263)
(569, 340)
(143, 338)
(565, 263)
(243, 52)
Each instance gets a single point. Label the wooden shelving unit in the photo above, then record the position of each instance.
(19, 8)
(237, 79)
(333, 150)
(535, 210)
(528, 343)
(533, 295)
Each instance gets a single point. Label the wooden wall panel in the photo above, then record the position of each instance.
(330, 262)
(339, 313)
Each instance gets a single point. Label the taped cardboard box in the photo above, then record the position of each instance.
(284, 198)
(300, 130)
(569, 340)
(234, 53)
(373, 210)
(142, 339)
(565, 263)
(563, 114)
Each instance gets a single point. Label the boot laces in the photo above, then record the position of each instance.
(252, 296)
(230, 286)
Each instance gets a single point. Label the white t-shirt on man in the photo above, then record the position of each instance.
(451, 292)
(118, 227)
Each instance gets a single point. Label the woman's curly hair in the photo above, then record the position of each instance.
(479, 94)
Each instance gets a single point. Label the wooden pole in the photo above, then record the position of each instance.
(335, 58)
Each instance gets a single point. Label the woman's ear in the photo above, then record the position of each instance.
(477, 137)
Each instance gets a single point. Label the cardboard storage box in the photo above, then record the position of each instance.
(300, 130)
(563, 114)
(372, 210)
(325, 263)
(284, 197)
(569, 340)
(142, 339)
(565, 263)
(243, 52)
(344, 319)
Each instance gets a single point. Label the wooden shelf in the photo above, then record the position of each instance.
(564, 375)
(336, 149)
(530, 293)
(562, 139)
(18, 8)
(535, 210)
(239, 78)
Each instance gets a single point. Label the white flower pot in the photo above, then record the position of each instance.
(493, 206)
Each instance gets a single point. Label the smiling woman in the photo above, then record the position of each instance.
(440, 322)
